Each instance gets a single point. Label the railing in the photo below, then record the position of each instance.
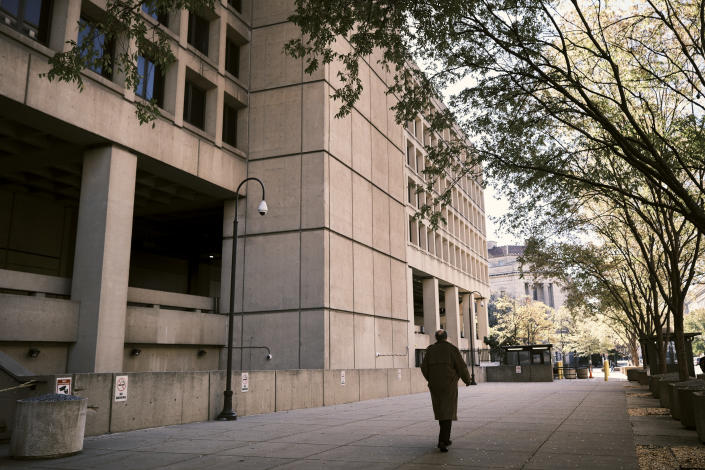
(170, 300)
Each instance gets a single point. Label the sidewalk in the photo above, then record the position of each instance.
(566, 424)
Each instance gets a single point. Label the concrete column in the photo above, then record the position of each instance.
(64, 24)
(469, 320)
(452, 315)
(431, 312)
(483, 328)
(102, 259)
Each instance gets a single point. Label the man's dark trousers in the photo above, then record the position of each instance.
(444, 435)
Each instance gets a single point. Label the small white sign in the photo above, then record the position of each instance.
(518, 370)
(63, 385)
(342, 377)
(245, 381)
(121, 388)
(398, 374)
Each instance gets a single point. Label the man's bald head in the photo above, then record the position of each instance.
(441, 335)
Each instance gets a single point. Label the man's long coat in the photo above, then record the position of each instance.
(442, 366)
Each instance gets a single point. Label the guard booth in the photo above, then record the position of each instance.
(523, 363)
(649, 352)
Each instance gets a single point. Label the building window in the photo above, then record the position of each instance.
(236, 4)
(30, 17)
(151, 9)
(99, 50)
(151, 84)
(232, 57)
(198, 31)
(194, 105)
(230, 125)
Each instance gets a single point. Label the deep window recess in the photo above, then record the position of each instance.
(232, 57)
(151, 84)
(230, 125)
(100, 50)
(30, 17)
(194, 105)
(236, 4)
(198, 32)
(151, 10)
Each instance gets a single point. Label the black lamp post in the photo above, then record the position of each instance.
(472, 340)
(228, 414)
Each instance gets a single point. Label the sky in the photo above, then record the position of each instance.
(495, 207)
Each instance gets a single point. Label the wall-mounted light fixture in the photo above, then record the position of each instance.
(135, 352)
(202, 352)
(33, 353)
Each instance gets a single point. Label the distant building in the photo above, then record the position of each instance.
(506, 279)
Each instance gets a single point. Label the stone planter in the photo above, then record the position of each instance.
(699, 407)
(643, 378)
(48, 426)
(632, 373)
(655, 382)
(687, 405)
(673, 396)
(663, 391)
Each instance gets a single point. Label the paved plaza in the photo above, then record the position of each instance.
(560, 425)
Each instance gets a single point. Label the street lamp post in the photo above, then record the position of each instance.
(228, 414)
(472, 341)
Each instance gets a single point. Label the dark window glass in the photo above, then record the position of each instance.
(198, 32)
(230, 125)
(194, 105)
(151, 84)
(30, 17)
(99, 51)
(151, 10)
(236, 4)
(232, 57)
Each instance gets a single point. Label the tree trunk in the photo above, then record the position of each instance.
(633, 350)
(683, 372)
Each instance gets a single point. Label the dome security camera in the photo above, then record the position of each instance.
(262, 208)
(269, 356)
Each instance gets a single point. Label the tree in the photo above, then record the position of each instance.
(522, 323)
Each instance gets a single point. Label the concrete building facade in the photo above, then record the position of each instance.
(116, 238)
(506, 278)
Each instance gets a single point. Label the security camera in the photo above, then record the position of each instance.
(262, 208)
(269, 356)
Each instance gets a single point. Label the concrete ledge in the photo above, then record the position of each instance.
(30, 282)
(162, 326)
(37, 319)
(298, 389)
(168, 299)
(260, 397)
(97, 389)
(418, 382)
(373, 383)
(334, 393)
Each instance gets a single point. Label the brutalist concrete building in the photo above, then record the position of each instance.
(116, 238)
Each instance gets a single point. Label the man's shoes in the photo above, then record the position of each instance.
(443, 446)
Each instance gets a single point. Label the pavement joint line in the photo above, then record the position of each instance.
(523, 466)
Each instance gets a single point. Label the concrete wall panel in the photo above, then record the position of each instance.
(394, 130)
(417, 381)
(173, 358)
(25, 318)
(341, 272)
(271, 66)
(373, 383)
(380, 220)
(280, 332)
(339, 138)
(266, 12)
(259, 399)
(364, 342)
(362, 210)
(363, 279)
(342, 341)
(383, 343)
(378, 101)
(13, 78)
(299, 389)
(313, 339)
(335, 393)
(340, 186)
(164, 326)
(380, 161)
(400, 341)
(315, 121)
(398, 230)
(398, 290)
(282, 182)
(272, 266)
(382, 285)
(275, 122)
(314, 197)
(361, 145)
(314, 273)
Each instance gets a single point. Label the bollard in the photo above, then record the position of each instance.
(560, 369)
(606, 368)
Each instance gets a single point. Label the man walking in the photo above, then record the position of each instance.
(442, 366)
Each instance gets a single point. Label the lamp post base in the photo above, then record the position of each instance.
(228, 414)
(472, 380)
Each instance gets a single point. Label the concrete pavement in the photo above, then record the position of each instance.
(561, 425)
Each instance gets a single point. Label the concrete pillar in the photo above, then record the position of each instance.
(64, 24)
(102, 258)
(483, 328)
(431, 312)
(411, 332)
(452, 315)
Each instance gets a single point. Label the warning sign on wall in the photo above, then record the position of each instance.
(121, 388)
(342, 377)
(245, 381)
(518, 369)
(63, 385)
